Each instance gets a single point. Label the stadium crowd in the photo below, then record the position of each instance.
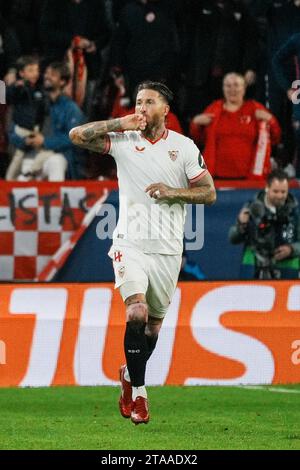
(232, 64)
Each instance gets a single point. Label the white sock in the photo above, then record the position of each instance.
(139, 392)
(126, 375)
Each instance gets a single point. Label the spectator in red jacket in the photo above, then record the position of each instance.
(237, 133)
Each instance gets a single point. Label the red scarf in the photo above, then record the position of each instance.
(77, 86)
(262, 163)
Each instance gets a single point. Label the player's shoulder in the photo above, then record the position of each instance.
(125, 136)
(180, 139)
(132, 135)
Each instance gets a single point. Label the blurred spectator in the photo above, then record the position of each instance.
(269, 227)
(220, 38)
(5, 8)
(237, 133)
(290, 50)
(62, 20)
(25, 17)
(9, 51)
(116, 7)
(27, 99)
(3, 141)
(279, 20)
(146, 43)
(50, 154)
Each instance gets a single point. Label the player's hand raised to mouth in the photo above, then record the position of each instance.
(134, 122)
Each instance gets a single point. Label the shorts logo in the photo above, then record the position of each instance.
(139, 149)
(173, 154)
(121, 271)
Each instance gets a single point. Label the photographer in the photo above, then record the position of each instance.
(269, 227)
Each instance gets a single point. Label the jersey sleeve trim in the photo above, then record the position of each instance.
(107, 144)
(198, 177)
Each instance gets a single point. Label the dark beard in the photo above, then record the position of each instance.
(49, 88)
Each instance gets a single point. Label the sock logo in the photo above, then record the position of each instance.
(134, 351)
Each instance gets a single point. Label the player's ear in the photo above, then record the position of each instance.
(167, 109)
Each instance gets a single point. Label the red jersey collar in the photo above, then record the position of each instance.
(163, 136)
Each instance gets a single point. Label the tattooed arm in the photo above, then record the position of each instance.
(201, 192)
(92, 136)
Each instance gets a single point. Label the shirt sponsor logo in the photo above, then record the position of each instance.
(139, 149)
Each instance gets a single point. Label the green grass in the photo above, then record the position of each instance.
(181, 418)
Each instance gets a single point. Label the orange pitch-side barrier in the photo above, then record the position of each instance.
(222, 333)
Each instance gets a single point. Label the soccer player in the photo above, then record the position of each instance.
(159, 171)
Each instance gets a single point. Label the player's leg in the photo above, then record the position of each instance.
(132, 375)
(135, 342)
(140, 407)
(143, 339)
(163, 275)
(151, 331)
(132, 280)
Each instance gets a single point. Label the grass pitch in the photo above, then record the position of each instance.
(182, 418)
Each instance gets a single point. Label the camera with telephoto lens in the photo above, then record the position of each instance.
(262, 239)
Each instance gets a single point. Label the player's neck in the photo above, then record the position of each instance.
(155, 132)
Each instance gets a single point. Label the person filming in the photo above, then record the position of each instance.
(269, 227)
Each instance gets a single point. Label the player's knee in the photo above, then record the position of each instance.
(137, 312)
(153, 327)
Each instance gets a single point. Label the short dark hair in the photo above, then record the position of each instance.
(25, 60)
(160, 87)
(63, 69)
(277, 174)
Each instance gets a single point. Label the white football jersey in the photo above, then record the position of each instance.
(153, 226)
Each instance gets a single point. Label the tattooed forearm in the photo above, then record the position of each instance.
(91, 136)
(92, 130)
(96, 129)
(88, 133)
(199, 195)
(202, 192)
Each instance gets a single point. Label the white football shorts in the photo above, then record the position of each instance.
(155, 275)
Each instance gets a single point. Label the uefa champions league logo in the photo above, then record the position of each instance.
(2, 92)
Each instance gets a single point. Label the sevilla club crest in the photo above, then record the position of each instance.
(173, 154)
(121, 271)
